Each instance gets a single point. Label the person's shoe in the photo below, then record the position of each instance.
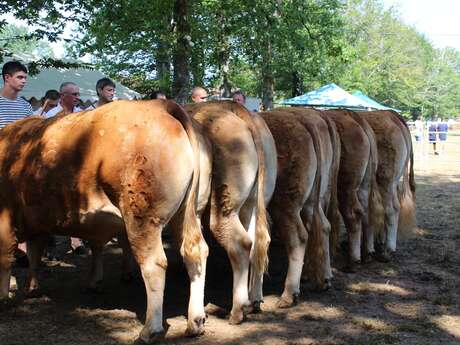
(436, 153)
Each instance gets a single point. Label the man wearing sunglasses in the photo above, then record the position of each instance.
(199, 95)
(70, 98)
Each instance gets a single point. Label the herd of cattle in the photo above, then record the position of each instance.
(132, 167)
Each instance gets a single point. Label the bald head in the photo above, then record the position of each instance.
(199, 95)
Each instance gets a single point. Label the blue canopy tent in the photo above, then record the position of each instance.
(374, 104)
(329, 96)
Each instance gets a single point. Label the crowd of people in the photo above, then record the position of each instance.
(64, 101)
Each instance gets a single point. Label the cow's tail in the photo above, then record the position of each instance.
(191, 228)
(406, 189)
(262, 235)
(315, 251)
(333, 213)
(376, 213)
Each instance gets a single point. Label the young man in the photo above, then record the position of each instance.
(105, 89)
(199, 94)
(50, 101)
(70, 98)
(13, 107)
(239, 97)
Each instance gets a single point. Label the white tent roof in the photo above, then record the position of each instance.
(52, 78)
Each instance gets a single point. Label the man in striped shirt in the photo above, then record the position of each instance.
(13, 107)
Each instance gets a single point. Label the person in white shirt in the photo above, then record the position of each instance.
(50, 101)
(70, 98)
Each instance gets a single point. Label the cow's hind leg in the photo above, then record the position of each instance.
(196, 269)
(97, 266)
(352, 213)
(145, 239)
(393, 220)
(35, 248)
(7, 246)
(231, 235)
(128, 266)
(248, 219)
(294, 236)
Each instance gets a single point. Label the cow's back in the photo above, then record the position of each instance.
(67, 169)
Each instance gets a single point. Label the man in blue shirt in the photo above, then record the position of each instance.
(13, 107)
(442, 128)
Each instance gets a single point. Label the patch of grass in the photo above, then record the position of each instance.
(419, 326)
(446, 299)
(370, 324)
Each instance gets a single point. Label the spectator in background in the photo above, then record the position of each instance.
(199, 95)
(419, 129)
(442, 128)
(50, 101)
(158, 95)
(70, 98)
(239, 97)
(432, 126)
(13, 107)
(105, 89)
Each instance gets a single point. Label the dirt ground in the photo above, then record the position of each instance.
(412, 300)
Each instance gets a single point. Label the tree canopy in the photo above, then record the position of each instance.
(271, 49)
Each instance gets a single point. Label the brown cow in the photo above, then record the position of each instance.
(359, 199)
(124, 166)
(295, 206)
(329, 145)
(395, 163)
(237, 196)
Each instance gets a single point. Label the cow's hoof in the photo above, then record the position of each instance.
(236, 317)
(195, 327)
(382, 256)
(287, 302)
(145, 337)
(325, 286)
(255, 308)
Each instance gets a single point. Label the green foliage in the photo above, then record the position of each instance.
(18, 40)
(395, 64)
(273, 49)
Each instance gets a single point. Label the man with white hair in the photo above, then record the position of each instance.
(70, 98)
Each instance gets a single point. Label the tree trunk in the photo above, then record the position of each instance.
(181, 81)
(297, 84)
(224, 59)
(163, 68)
(267, 79)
